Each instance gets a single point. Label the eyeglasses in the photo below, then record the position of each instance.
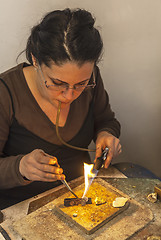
(63, 86)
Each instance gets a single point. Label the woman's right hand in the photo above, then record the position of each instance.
(39, 166)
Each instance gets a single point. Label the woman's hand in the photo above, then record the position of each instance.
(105, 139)
(39, 166)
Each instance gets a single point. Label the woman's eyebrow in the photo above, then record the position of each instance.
(58, 80)
(66, 82)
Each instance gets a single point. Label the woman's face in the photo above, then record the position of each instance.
(64, 83)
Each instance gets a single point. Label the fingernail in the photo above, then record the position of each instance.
(60, 171)
(62, 177)
(52, 161)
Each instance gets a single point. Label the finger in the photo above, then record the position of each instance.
(45, 176)
(119, 150)
(50, 168)
(118, 147)
(109, 158)
(54, 161)
(52, 177)
(48, 159)
(107, 163)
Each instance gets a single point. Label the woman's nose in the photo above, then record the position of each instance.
(68, 93)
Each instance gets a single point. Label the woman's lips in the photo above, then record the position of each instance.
(65, 102)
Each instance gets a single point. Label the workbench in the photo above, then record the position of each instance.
(136, 188)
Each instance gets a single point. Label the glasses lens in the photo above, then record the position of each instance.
(65, 86)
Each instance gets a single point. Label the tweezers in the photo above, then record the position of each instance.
(69, 188)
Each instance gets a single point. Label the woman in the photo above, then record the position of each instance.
(62, 52)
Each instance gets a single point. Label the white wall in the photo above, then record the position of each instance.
(131, 70)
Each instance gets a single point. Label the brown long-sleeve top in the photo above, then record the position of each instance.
(28, 114)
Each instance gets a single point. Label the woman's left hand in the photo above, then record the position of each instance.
(105, 139)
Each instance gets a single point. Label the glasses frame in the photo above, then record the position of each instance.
(65, 88)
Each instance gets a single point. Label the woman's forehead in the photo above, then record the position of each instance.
(70, 70)
(71, 65)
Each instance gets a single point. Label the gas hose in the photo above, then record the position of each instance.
(61, 140)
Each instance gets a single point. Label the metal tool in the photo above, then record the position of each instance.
(63, 181)
(96, 167)
(69, 188)
(100, 161)
(76, 201)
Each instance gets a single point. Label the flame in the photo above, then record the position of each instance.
(89, 176)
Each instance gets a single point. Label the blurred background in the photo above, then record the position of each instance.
(130, 68)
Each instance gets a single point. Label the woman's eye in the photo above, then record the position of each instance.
(81, 84)
(58, 83)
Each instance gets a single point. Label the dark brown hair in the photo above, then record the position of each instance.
(67, 35)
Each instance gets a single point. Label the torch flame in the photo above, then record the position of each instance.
(89, 176)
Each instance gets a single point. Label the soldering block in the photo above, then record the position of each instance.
(157, 189)
(90, 217)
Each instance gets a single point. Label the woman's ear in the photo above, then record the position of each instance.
(34, 61)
